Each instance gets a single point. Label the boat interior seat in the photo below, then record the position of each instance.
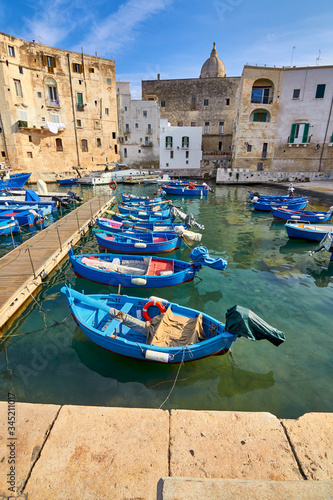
(110, 326)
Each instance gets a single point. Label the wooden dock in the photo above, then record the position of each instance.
(23, 269)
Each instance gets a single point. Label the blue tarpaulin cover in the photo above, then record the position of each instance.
(31, 195)
(200, 256)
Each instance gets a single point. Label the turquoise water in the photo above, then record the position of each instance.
(47, 362)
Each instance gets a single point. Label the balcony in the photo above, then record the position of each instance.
(53, 103)
(148, 145)
(22, 124)
(80, 106)
(297, 142)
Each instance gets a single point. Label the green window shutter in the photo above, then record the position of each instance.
(183, 142)
(332, 138)
(292, 133)
(305, 133)
(255, 117)
(264, 117)
(171, 141)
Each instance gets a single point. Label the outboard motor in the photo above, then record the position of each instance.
(60, 201)
(74, 196)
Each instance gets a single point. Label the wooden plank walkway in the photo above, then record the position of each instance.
(23, 269)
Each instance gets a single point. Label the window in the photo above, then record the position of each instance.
(179, 124)
(113, 135)
(116, 148)
(78, 123)
(91, 70)
(296, 93)
(51, 92)
(186, 162)
(30, 138)
(106, 111)
(260, 166)
(136, 125)
(221, 127)
(11, 51)
(146, 141)
(260, 117)
(59, 145)
(84, 145)
(3, 154)
(149, 128)
(162, 104)
(126, 138)
(145, 114)
(220, 145)
(77, 68)
(80, 82)
(299, 133)
(206, 101)
(108, 81)
(264, 150)
(206, 131)
(185, 142)
(139, 150)
(39, 94)
(18, 88)
(125, 108)
(262, 91)
(187, 154)
(55, 118)
(29, 154)
(21, 70)
(96, 103)
(193, 103)
(79, 97)
(320, 92)
(125, 152)
(249, 148)
(127, 127)
(227, 102)
(50, 62)
(193, 124)
(171, 154)
(168, 141)
(99, 142)
(23, 118)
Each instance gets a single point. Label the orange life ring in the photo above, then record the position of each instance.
(113, 185)
(147, 306)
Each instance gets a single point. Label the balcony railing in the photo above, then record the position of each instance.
(53, 103)
(262, 99)
(308, 140)
(80, 106)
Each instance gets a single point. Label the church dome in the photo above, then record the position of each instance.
(213, 67)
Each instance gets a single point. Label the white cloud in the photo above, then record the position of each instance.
(119, 29)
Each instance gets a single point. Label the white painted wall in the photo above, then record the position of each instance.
(138, 128)
(178, 157)
(307, 108)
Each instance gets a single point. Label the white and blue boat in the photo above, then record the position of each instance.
(308, 231)
(189, 189)
(12, 181)
(137, 271)
(121, 227)
(293, 204)
(302, 215)
(157, 330)
(137, 243)
(130, 198)
(9, 226)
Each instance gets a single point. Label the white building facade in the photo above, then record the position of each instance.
(304, 129)
(180, 147)
(138, 129)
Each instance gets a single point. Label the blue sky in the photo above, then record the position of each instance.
(175, 37)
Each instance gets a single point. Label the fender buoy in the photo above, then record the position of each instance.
(191, 186)
(152, 303)
(113, 185)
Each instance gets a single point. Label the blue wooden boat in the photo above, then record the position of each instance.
(12, 181)
(142, 218)
(272, 197)
(23, 217)
(186, 190)
(141, 199)
(120, 227)
(302, 215)
(309, 231)
(161, 331)
(137, 243)
(137, 211)
(296, 204)
(9, 227)
(71, 181)
(141, 271)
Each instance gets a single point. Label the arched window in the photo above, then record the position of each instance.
(84, 145)
(260, 115)
(59, 145)
(185, 142)
(51, 92)
(262, 91)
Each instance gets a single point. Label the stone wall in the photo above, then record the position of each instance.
(240, 176)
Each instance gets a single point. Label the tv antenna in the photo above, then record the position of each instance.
(318, 59)
(292, 55)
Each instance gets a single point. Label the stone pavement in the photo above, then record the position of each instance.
(77, 452)
(321, 189)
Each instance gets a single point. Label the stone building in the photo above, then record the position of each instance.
(208, 102)
(284, 119)
(58, 108)
(138, 129)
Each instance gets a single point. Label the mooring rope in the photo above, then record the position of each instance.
(175, 381)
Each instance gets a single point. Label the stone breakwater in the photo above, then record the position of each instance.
(121, 453)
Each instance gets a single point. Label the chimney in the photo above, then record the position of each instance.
(158, 76)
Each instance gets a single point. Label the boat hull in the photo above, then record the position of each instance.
(109, 225)
(308, 231)
(301, 216)
(14, 181)
(119, 244)
(268, 206)
(185, 191)
(9, 227)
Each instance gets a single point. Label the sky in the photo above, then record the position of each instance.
(175, 37)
